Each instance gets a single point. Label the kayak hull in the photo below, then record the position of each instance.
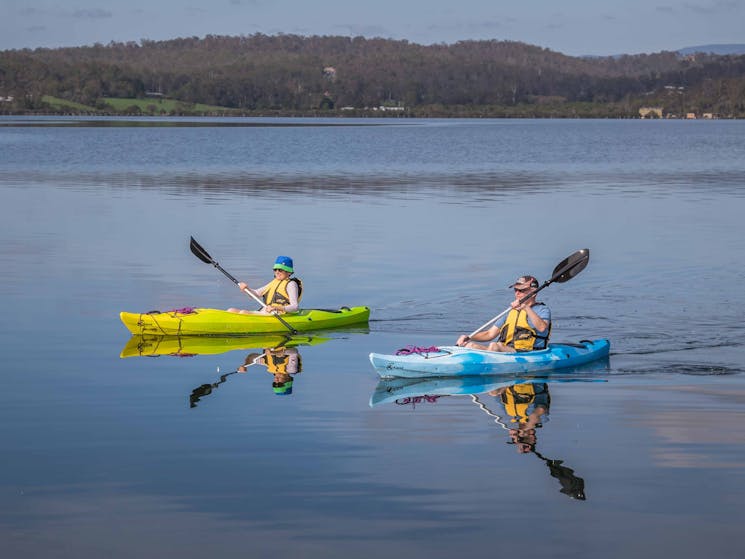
(201, 322)
(450, 361)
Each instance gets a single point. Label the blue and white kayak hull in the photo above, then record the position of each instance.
(449, 361)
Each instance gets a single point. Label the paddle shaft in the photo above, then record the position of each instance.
(235, 281)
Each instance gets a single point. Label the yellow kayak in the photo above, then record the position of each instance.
(199, 322)
(186, 346)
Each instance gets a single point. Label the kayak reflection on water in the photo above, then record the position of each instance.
(283, 363)
(527, 405)
(150, 345)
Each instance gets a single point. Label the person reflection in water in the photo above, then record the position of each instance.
(282, 362)
(528, 406)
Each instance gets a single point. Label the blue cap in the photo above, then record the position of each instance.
(283, 263)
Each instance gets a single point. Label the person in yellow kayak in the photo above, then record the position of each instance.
(282, 294)
(525, 328)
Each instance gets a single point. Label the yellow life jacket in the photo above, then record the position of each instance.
(518, 398)
(276, 295)
(276, 363)
(518, 333)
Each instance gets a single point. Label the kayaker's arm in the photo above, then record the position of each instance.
(292, 293)
(538, 323)
(483, 336)
(258, 292)
(534, 418)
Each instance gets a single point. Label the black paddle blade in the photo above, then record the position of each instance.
(571, 266)
(199, 252)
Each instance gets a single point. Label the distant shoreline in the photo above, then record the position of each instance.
(102, 120)
(339, 76)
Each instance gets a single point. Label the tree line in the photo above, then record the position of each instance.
(259, 74)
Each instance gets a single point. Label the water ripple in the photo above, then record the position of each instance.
(416, 183)
(691, 369)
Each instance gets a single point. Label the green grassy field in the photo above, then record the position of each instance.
(162, 106)
(136, 106)
(63, 105)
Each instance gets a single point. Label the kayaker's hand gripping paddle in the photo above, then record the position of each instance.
(204, 256)
(564, 271)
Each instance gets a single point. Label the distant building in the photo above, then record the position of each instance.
(690, 116)
(650, 112)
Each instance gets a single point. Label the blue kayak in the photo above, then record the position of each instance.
(450, 361)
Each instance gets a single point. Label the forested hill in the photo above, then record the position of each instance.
(260, 74)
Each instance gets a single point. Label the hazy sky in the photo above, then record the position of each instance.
(573, 27)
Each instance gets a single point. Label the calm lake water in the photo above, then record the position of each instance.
(427, 222)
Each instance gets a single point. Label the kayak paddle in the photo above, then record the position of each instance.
(564, 271)
(204, 256)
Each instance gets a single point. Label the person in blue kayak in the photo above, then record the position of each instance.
(282, 294)
(525, 328)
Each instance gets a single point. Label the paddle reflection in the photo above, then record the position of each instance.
(520, 407)
(282, 362)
